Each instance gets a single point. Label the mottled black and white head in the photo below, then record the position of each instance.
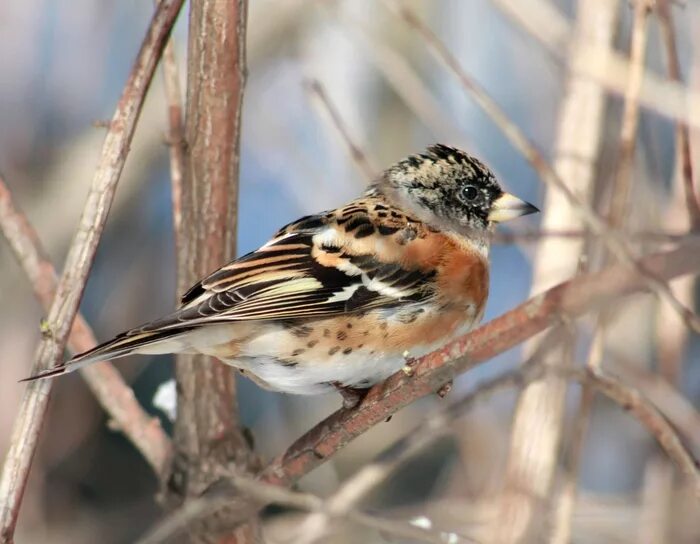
(451, 190)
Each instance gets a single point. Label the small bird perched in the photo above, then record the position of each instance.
(337, 300)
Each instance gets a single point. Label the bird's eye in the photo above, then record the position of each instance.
(469, 192)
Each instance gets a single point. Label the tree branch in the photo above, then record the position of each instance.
(208, 435)
(682, 133)
(559, 304)
(70, 287)
(358, 156)
(113, 394)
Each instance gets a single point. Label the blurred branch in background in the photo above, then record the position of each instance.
(671, 337)
(249, 495)
(108, 386)
(357, 154)
(544, 22)
(177, 145)
(691, 195)
(208, 433)
(77, 267)
(539, 414)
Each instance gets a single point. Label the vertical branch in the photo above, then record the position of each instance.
(682, 132)
(616, 218)
(77, 267)
(358, 156)
(671, 335)
(176, 134)
(208, 436)
(539, 414)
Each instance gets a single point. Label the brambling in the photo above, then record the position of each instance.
(339, 299)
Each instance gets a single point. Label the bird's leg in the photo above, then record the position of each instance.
(351, 395)
(444, 389)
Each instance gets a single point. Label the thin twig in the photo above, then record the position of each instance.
(616, 218)
(632, 401)
(682, 132)
(358, 156)
(675, 407)
(532, 235)
(530, 151)
(630, 115)
(113, 394)
(70, 287)
(176, 133)
(260, 494)
(544, 22)
(561, 303)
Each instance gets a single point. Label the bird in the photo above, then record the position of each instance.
(339, 300)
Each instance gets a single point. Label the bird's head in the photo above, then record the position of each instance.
(452, 190)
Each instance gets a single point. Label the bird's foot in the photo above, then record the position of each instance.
(351, 395)
(444, 389)
(409, 364)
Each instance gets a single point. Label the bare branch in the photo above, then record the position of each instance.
(70, 287)
(632, 401)
(650, 236)
(682, 133)
(207, 432)
(316, 525)
(358, 156)
(115, 396)
(176, 133)
(561, 303)
(544, 21)
(616, 219)
(260, 494)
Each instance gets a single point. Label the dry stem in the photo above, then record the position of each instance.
(208, 434)
(70, 287)
(358, 156)
(682, 133)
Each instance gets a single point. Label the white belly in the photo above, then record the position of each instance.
(265, 354)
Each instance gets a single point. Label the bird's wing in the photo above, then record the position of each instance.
(347, 261)
(361, 257)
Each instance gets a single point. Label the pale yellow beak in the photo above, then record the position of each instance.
(507, 207)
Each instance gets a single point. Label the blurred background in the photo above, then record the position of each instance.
(63, 69)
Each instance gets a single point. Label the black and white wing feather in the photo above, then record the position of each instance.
(320, 266)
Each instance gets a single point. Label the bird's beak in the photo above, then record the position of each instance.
(507, 207)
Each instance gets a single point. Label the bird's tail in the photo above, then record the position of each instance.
(134, 341)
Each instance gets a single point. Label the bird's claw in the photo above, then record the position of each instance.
(444, 389)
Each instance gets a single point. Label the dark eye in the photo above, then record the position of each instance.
(469, 192)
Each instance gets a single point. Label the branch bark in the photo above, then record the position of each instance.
(208, 435)
(560, 304)
(78, 262)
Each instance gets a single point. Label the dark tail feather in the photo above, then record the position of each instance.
(122, 345)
